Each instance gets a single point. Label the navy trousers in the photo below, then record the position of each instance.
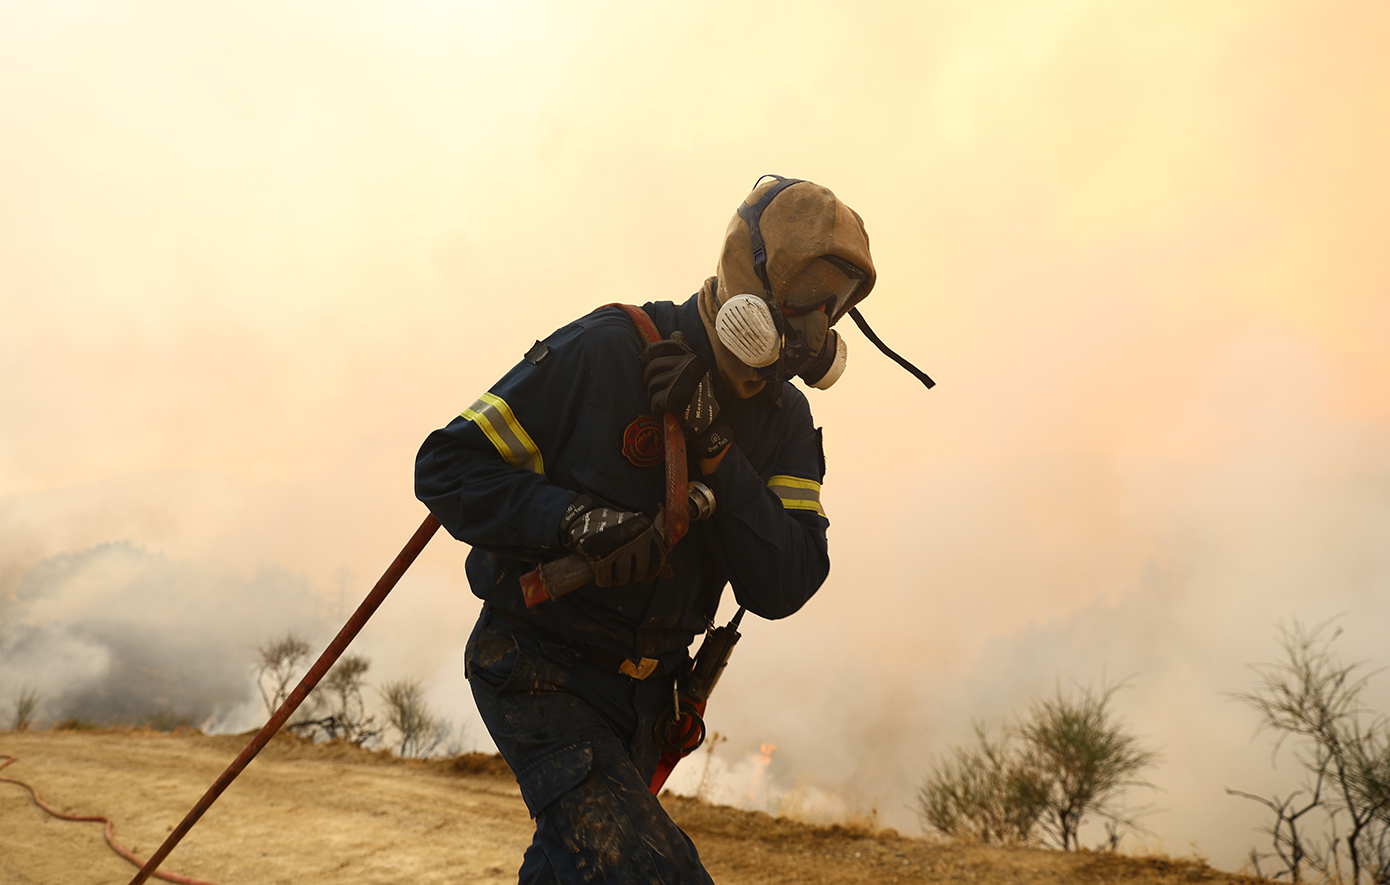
(579, 740)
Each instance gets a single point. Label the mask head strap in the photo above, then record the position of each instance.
(752, 214)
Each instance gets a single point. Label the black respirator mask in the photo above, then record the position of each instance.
(794, 338)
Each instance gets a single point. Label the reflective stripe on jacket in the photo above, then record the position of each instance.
(567, 420)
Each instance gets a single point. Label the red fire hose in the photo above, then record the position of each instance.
(109, 833)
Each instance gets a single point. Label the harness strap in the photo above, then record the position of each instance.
(677, 480)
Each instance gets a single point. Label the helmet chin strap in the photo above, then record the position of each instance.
(863, 325)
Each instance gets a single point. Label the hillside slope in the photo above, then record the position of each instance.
(306, 814)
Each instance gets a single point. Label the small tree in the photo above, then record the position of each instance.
(1314, 699)
(1089, 759)
(277, 663)
(420, 731)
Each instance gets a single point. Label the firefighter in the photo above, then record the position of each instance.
(564, 455)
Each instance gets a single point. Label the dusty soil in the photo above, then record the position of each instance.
(307, 814)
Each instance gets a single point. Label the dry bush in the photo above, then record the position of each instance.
(26, 705)
(278, 662)
(706, 787)
(76, 724)
(168, 720)
(420, 732)
(336, 709)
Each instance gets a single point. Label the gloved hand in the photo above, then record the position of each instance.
(622, 547)
(712, 441)
(678, 379)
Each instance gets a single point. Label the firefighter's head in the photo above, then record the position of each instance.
(795, 260)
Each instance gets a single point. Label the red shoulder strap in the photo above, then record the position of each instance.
(677, 503)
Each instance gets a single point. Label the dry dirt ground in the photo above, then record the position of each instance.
(306, 814)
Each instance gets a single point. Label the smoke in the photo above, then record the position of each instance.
(249, 258)
(117, 635)
(114, 634)
(1275, 512)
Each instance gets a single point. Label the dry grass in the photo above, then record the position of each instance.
(307, 813)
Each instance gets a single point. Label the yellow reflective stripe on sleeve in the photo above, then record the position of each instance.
(495, 418)
(797, 493)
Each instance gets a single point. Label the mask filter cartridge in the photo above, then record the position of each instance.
(834, 370)
(745, 326)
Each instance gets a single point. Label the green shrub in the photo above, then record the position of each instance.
(1036, 782)
(991, 792)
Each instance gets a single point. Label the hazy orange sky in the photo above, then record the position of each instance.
(251, 254)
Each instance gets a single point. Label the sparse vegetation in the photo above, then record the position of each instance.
(1038, 781)
(168, 720)
(339, 698)
(1341, 814)
(1089, 761)
(420, 732)
(993, 792)
(277, 664)
(337, 709)
(706, 787)
(26, 704)
(76, 724)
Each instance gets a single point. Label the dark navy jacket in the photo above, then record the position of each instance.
(501, 474)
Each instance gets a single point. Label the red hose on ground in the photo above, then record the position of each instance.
(109, 833)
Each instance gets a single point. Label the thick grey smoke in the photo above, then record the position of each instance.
(248, 260)
(117, 631)
(114, 634)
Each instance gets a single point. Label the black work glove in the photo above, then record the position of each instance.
(678, 379)
(622, 547)
(712, 441)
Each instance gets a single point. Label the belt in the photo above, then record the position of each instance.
(639, 668)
